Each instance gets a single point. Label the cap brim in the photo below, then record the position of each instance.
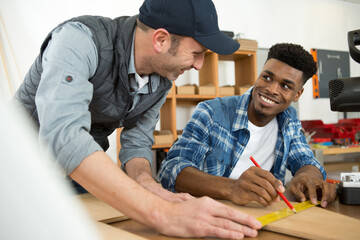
(219, 43)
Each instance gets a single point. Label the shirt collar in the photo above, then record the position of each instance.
(241, 116)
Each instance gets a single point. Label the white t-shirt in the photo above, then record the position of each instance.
(261, 146)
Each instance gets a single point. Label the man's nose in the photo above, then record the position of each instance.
(274, 87)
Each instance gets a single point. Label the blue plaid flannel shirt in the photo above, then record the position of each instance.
(217, 133)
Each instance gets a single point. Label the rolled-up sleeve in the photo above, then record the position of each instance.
(138, 140)
(64, 95)
(191, 148)
(300, 153)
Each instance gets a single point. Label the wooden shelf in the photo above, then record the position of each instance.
(161, 146)
(245, 75)
(200, 97)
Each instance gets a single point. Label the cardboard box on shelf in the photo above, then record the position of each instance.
(247, 44)
(163, 137)
(226, 90)
(208, 89)
(242, 89)
(185, 89)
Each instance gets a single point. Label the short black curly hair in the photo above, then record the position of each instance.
(295, 56)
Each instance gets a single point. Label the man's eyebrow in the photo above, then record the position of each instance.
(269, 72)
(287, 81)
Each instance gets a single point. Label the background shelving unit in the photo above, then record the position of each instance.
(245, 75)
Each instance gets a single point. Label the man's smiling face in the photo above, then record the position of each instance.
(276, 87)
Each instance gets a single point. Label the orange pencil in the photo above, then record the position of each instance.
(281, 195)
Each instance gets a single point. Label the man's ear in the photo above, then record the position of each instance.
(298, 94)
(161, 39)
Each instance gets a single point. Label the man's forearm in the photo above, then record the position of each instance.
(198, 183)
(100, 176)
(194, 218)
(139, 169)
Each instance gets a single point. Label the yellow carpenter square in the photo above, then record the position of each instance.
(277, 215)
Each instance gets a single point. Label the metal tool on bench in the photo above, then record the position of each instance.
(349, 188)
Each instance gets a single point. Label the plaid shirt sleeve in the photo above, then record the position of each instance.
(300, 153)
(190, 149)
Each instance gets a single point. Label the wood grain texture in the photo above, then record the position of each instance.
(312, 223)
(112, 233)
(101, 211)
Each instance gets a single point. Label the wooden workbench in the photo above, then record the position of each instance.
(339, 150)
(338, 159)
(337, 221)
(148, 233)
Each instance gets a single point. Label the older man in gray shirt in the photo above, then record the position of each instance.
(96, 74)
(53, 100)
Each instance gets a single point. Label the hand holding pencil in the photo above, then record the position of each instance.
(280, 194)
(254, 185)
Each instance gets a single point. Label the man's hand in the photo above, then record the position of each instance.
(207, 217)
(139, 169)
(256, 184)
(308, 183)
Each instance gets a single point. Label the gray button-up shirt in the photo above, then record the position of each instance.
(64, 117)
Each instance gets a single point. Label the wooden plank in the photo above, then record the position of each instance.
(313, 223)
(112, 233)
(101, 211)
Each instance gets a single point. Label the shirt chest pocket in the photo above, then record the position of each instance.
(220, 156)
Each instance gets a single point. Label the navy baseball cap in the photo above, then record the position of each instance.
(193, 18)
